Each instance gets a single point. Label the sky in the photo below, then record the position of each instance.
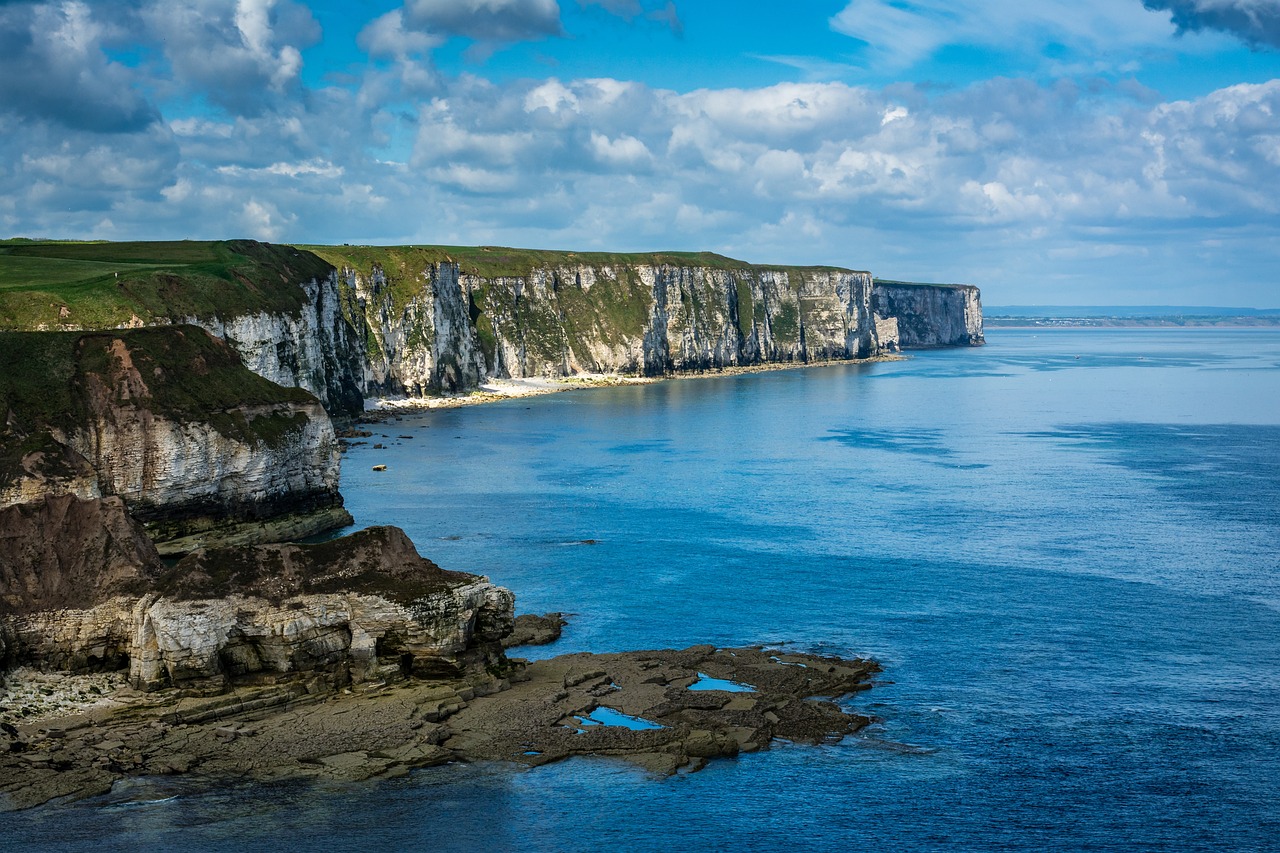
(1052, 152)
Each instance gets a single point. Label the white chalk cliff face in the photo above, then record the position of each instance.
(420, 327)
(445, 330)
(171, 643)
(932, 315)
(317, 348)
(168, 419)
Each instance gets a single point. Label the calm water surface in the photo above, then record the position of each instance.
(1063, 548)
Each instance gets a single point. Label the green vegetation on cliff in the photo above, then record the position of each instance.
(47, 285)
(503, 262)
(59, 380)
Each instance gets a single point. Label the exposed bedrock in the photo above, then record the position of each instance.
(433, 327)
(350, 609)
(199, 448)
(652, 708)
(931, 315)
(315, 348)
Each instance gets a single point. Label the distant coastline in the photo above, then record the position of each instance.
(1125, 316)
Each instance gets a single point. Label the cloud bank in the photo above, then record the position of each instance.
(1094, 185)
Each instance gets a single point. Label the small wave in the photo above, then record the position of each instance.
(894, 746)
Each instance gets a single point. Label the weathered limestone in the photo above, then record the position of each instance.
(932, 315)
(344, 610)
(447, 330)
(200, 449)
(378, 729)
(316, 349)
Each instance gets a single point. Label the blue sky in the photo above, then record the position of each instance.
(1086, 152)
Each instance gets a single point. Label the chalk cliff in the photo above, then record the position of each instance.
(169, 420)
(315, 347)
(931, 315)
(349, 609)
(438, 323)
(346, 610)
(350, 322)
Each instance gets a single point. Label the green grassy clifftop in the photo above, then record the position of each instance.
(47, 285)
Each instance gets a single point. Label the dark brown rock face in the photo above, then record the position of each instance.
(64, 552)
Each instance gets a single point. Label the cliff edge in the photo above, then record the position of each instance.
(169, 420)
(354, 322)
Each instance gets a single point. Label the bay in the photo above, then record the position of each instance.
(1062, 547)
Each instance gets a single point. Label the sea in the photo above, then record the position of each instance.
(1062, 547)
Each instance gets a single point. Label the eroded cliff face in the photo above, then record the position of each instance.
(432, 326)
(932, 315)
(63, 551)
(350, 322)
(315, 348)
(355, 608)
(168, 419)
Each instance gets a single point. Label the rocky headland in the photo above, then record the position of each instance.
(168, 419)
(167, 440)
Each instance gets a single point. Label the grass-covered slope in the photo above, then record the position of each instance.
(47, 284)
(54, 381)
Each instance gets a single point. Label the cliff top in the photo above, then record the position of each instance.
(374, 561)
(897, 283)
(52, 284)
(504, 261)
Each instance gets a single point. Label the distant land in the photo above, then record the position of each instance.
(1068, 316)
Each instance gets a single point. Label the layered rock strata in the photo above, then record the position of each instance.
(343, 611)
(433, 326)
(931, 315)
(346, 323)
(199, 448)
(315, 347)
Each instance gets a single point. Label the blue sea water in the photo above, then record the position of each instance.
(1064, 549)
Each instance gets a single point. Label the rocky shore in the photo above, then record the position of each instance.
(497, 390)
(665, 710)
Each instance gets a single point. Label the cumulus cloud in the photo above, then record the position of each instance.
(53, 67)
(486, 20)
(1256, 22)
(387, 37)
(994, 182)
(244, 55)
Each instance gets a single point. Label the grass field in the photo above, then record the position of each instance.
(48, 284)
(502, 261)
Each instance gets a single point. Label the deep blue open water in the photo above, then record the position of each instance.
(1064, 548)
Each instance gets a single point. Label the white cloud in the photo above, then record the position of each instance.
(900, 34)
(244, 55)
(623, 151)
(387, 37)
(1001, 179)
